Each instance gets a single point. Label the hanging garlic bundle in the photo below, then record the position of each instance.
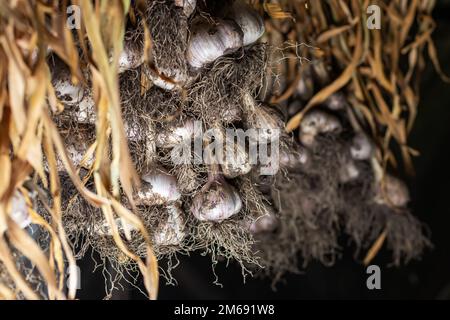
(171, 232)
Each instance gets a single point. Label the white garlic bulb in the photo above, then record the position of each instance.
(216, 202)
(294, 158)
(209, 42)
(264, 224)
(166, 80)
(132, 55)
(337, 101)
(19, 210)
(175, 134)
(316, 122)
(268, 123)
(348, 172)
(395, 192)
(236, 161)
(187, 5)
(172, 231)
(66, 91)
(86, 109)
(361, 147)
(248, 19)
(158, 187)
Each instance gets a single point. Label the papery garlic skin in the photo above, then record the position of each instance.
(131, 57)
(19, 210)
(316, 122)
(209, 42)
(218, 202)
(268, 123)
(248, 19)
(158, 187)
(169, 81)
(175, 134)
(394, 193)
(361, 147)
(172, 231)
(86, 109)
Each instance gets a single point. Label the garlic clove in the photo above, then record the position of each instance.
(248, 19)
(66, 91)
(187, 5)
(175, 134)
(361, 147)
(209, 42)
(19, 210)
(219, 201)
(172, 231)
(392, 191)
(316, 122)
(158, 187)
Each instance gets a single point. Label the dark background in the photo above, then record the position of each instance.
(430, 192)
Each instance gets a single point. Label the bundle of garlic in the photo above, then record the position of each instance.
(139, 101)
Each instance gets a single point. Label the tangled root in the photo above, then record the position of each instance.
(227, 241)
(216, 96)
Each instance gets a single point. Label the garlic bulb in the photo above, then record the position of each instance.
(166, 80)
(175, 134)
(236, 161)
(187, 5)
(86, 109)
(19, 210)
(248, 19)
(172, 231)
(317, 122)
(158, 187)
(348, 172)
(209, 42)
(305, 85)
(361, 147)
(66, 91)
(268, 123)
(264, 224)
(231, 114)
(294, 158)
(395, 192)
(216, 202)
(337, 101)
(132, 55)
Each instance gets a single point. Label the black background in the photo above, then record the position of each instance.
(430, 189)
